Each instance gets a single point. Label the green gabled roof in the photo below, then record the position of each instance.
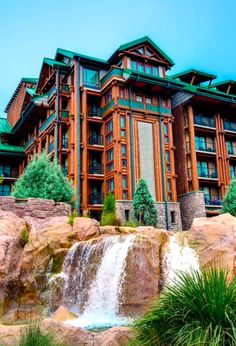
(141, 40)
(22, 81)
(187, 75)
(227, 86)
(5, 127)
(54, 63)
(72, 55)
(29, 80)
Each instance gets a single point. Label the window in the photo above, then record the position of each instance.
(122, 122)
(160, 70)
(147, 68)
(140, 67)
(172, 216)
(232, 171)
(122, 93)
(139, 98)
(166, 133)
(126, 214)
(5, 190)
(155, 71)
(5, 170)
(108, 96)
(110, 167)
(90, 77)
(168, 160)
(124, 182)
(123, 150)
(124, 163)
(231, 147)
(110, 185)
(110, 155)
(149, 100)
(109, 131)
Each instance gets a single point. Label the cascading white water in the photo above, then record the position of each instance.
(178, 258)
(103, 295)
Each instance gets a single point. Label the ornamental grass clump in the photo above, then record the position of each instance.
(199, 309)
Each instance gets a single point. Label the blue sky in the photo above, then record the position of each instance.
(199, 34)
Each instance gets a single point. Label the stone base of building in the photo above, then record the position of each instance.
(192, 205)
(34, 207)
(124, 210)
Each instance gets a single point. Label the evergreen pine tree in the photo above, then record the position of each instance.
(43, 179)
(144, 207)
(109, 204)
(229, 201)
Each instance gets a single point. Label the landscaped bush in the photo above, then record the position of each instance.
(109, 212)
(144, 207)
(43, 179)
(131, 223)
(199, 309)
(110, 219)
(33, 336)
(229, 201)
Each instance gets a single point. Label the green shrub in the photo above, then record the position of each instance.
(71, 218)
(109, 206)
(110, 219)
(33, 336)
(229, 201)
(24, 237)
(196, 310)
(43, 179)
(1, 180)
(144, 207)
(132, 223)
(56, 264)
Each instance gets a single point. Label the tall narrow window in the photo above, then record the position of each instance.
(110, 185)
(123, 150)
(124, 182)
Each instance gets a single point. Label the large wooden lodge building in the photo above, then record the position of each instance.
(111, 122)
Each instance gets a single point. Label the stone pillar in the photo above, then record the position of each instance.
(192, 205)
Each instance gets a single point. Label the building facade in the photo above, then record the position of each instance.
(110, 123)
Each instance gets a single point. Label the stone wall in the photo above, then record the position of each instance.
(35, 207)
(192, 205)
(122, 207)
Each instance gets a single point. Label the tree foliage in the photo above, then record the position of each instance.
(109, 212)
(43, 179)
(199, 309)
(1, 180)
(229, 201)
(144, 207)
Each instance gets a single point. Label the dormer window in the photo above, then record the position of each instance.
(91, 77)
(147, 68)
(66, 60)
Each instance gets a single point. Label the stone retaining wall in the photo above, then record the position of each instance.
(174, 216)
(35, 207)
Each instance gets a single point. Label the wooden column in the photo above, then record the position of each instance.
(76, 119)
(193, 156)
(84, 152)
(172, 160)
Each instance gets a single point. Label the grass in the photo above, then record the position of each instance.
(33, 336)
(198, 310)
(24, 237)
(71, 218)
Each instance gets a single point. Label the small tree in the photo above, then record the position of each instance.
(109, 212)
(43, 179)
(229, 201)
(144, 207)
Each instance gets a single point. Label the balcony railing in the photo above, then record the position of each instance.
(47, 122)
(96, 140)
(230, 126)
(29, 142)
(204, 121)
(9, 172)
(114, 72)
(109, 105)
(52, 92)
(51, 147)
(95, 111)
(96, 168)
(212, 199)
(231, 149)
(205, 145)
(209, 173)
(96, 198)
(64, 143)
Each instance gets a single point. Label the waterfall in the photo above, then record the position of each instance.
(94, 293)
(178, 257)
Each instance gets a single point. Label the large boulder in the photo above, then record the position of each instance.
(215, 241)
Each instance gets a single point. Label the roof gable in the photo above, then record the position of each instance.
(194, 77)
(144, 47)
